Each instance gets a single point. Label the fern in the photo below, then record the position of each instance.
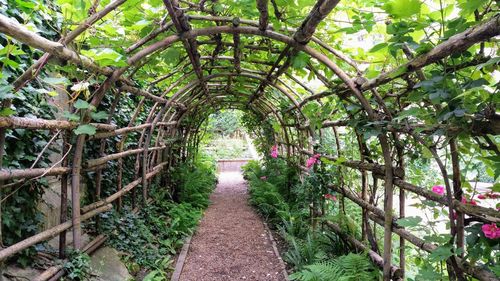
(303, 252)
(352, 267)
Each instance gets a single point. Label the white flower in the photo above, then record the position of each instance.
(82, 86)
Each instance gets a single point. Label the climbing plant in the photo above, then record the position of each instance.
(385, 105)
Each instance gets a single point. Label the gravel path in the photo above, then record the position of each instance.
(231, 242)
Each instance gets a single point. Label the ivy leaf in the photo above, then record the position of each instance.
(81, 104)
(56, 80)
(98, 116)
(6, 92)
(70, 116)
(409, 221)
(85, 129)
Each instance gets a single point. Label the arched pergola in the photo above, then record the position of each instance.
(177, 103)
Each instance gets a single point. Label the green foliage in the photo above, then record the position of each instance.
(351, 267)
(454, 93)
(195, 182)
(152, 236)
(302, 252)
(160, 274)
(227, 148)
(225, 122)
(78, 266)
(85, 129)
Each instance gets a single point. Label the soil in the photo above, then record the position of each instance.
(231, 242)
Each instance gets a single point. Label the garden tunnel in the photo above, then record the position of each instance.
(436, 98)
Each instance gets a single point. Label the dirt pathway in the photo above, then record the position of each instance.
(231, 242)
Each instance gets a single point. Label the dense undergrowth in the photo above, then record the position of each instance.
(313, 254)
(151, 238)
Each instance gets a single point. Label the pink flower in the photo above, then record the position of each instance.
(491, 231)
(263, 178)
(312, 160)
(465, 201)
(274, 151)
(481, 196)
(492, 195)
(438, 189)
(330, 197)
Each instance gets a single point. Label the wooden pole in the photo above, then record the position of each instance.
(64, 194)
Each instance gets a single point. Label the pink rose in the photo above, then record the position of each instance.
(491, 231)
(472, 201)
(438, 189)
(274, 151)
(312, 160)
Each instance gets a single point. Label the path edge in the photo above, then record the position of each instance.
(181, 260)
(275, 249)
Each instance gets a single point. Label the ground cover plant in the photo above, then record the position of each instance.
(152, 237)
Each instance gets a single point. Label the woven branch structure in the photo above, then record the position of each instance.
(206, 87)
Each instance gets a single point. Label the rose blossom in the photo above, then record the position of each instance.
(438, 189)
(491, 231)
(465, 201)
(312, 160)
(274, 151)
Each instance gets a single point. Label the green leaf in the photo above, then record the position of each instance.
(56, 80)
(441, 253)
(70, 116)
(6, 92)
(491, 61)
(6, 112)
(397, 72)
(409, 221)
(378, 47)
(402, 8)
(105, 57)
(496, 187)
(81, 104)
(172, 55)
(85, 129)
(496, 269)
(414, 112)
(300, 60)
(98, 116)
